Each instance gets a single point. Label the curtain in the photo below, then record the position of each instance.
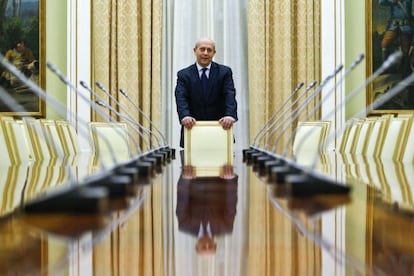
(126, 54)
(225, 22)
(283, 50)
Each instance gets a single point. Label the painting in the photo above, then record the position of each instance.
(22, 45)
(390, 26)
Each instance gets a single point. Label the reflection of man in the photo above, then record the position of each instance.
(206, 206)
(399, 26)
(21, 57)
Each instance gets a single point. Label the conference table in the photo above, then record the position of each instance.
(222, 221)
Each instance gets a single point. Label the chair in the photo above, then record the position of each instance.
(17, 140)
(364, 136)
(310, 140)
(40, 143)
(208, 145)
(110, 142)
(391, 146)
(69, 137)
(349, 142)
(6, 159)
(56, 145)
(407, 149)
(373, 146)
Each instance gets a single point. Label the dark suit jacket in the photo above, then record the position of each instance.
(206, 199)
(220, 100)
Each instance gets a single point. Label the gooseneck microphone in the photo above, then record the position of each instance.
(309, 180)
(303, 106)
(394, 91)
(267, 158)
(144, 167)
(306, 178)
(130, 118)
(109, 118)
(161, 150)
(280, 170)
(256, 153)
(85, 196)
(354, 64)
(149, 156)
(270, 123)
(134, 168)
(160, 135)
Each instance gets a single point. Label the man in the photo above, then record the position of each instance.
(400, 25)
(206, 206)
(213, 98)
(20, 56)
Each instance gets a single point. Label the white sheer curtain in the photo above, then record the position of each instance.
(225, 22)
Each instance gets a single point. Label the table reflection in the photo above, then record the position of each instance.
(206, 205)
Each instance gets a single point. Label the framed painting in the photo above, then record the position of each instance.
(22, 43)
(390, 28)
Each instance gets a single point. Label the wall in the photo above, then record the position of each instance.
(355, 45)
(56, 52)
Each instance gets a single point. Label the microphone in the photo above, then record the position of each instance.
(84, 191)
(356, 62)
(317, 182)
(278, 173)
(302, 107)
(287, 123)
(119, 170)
(149, 157)
(170, 151)
(144, 168)
(264, 155)
(268, 125)
(161, 150)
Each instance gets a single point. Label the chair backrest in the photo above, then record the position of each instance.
(407, 149)
(310, 134)
(309, 140)
(55, 142)
(17, 140)
(69, 137)
(364, 136)
(6, 159)
(110, 141)
(352, 137)
(393, 138)
(207, 144)
(40, 144)
(373, 146)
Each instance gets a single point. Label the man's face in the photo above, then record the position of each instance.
(20, 47)
(204, 52)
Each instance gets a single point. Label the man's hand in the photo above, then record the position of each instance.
(188, 122)
(227, 122)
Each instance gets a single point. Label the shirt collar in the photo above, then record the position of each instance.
(199, 67)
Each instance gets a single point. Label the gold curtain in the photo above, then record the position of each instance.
(284, 50)
(126, 54)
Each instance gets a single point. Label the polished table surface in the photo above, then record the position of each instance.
(176, 223)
